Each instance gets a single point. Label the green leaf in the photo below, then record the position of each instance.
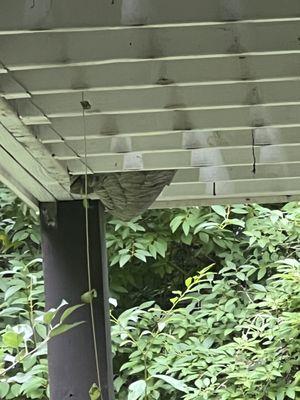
(12, 290)
(280, 394)
(48, 316)
(175, 383)
(118, 383)
(239, 210)
(69, 311)
(15, 390)
(124, 258)
(140, 257)
(176, 222)
(290, 392)
(241, 276)
(204, 237)
(12, 339)
(206, 382)
(259, 287)
(186, 227)
(11, 312)
(261, 273)
(187, 239)
(19, 236)
(188, 282)
(161, 247)
(41, 330)
(62, 328)
(95, 392)
(152, 251)
(4, 389)
(208, 342)
(137, 390)
(220, 210)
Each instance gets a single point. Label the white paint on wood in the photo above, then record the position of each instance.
(266, 187)
(225, 200)
(11, 89)
(23, 15)
(51, 49)
(210, 89)
(163, 97)
(232, 173)
(35, 158)
(180, 159)
(147, 121)
(21, 181)
(176, 140)
(152, 73)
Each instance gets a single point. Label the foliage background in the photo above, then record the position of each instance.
(180, 330)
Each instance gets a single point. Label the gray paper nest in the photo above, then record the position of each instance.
(125, 194)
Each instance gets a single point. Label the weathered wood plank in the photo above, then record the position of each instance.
(17, 139)
(28, 112)
(11, 89)
(138, 122)
(20, 181)
(180, 159)
(206, 71)
(161, 97)
(225, 200)
(172, 141)
(242, 188)
(232, 173)
(19, 15)
(50, 49)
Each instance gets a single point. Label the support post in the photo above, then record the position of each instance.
(72, 366)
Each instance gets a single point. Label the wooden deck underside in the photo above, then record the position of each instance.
(209, 88)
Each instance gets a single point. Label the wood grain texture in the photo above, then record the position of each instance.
(19, 141)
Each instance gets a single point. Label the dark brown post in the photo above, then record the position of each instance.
(72, 366)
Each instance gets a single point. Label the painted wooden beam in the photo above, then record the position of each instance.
(242, 188)
(240, 172)
(11, 89)
(181, 159)
(177, 140)
(22, 15)
(160, 72)
(21, 182)
(146, 121)
(51, 49)
(225, 200)
(158, 98)
(19, 141)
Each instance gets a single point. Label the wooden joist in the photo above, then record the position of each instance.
(20, 181)
(159, 98)
(239, 172)
(84, 47)
(210, 88)
(24, 15)
(246, 191)
(145, 121)
(22, 145)
(180, 159)
(225, 200)
(175, 140)
(161, 72)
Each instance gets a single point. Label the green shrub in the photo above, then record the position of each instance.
(225, 337)
(233, 334)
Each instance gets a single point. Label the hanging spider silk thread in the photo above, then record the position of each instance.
(85, 106)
